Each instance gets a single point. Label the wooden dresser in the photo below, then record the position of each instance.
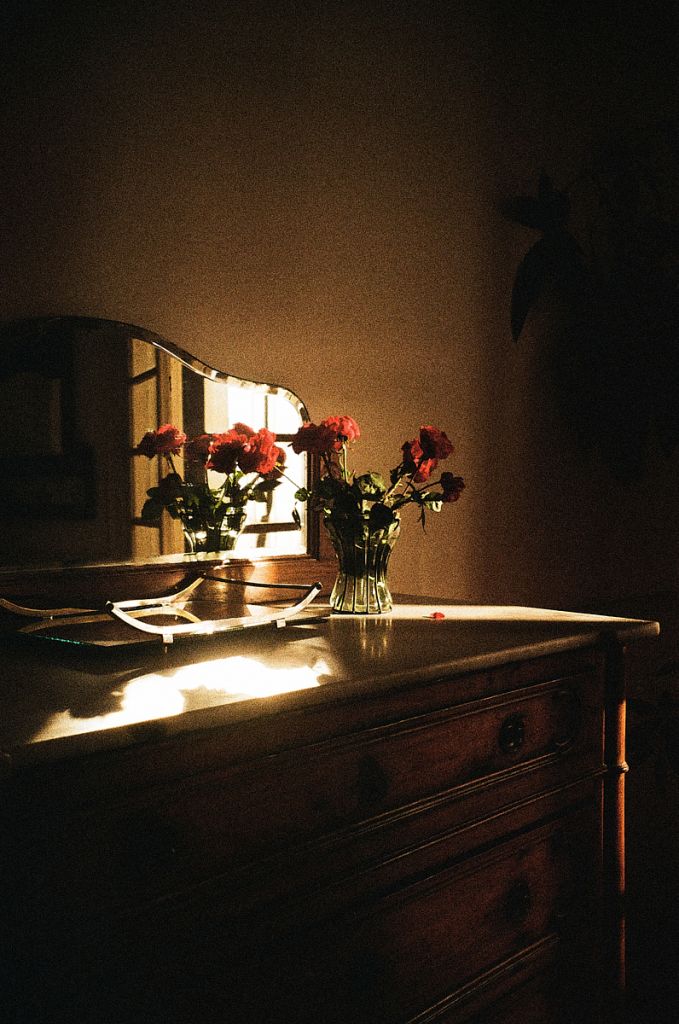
(424, 826)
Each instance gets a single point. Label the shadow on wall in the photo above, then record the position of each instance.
(606, 266)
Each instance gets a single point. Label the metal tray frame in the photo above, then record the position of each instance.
(134, 612)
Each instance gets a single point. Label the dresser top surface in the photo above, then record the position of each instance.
(56, 701)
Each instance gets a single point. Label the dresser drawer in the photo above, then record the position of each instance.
(439, 947)
(172, 836)
(445, 940)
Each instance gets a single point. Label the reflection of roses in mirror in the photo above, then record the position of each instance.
(344, 428)
(339, 492)
(316, 440)
(166, 440)
(251, 462)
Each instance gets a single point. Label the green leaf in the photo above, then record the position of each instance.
(380, 516)
(347, 501)
(296, 517)
(302, 494)
(370, 486)
(152, 510)
(433, 502)
(329, 488)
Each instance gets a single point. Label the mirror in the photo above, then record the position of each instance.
(77, 394)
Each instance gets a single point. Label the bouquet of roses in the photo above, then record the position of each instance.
(339, 493)
(251, 462)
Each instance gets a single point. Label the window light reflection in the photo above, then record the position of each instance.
(162, 694)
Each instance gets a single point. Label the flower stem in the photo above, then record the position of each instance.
(343, 463)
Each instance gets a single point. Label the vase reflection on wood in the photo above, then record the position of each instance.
(214, 537)
(363, 551)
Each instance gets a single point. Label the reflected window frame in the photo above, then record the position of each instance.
(170, 358)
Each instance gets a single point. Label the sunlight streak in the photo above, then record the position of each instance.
(163, 694)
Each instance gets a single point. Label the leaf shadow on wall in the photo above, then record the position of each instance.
(606, 270)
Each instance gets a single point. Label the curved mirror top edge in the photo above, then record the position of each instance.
(193, 363)
(77, 396)
(40, 323)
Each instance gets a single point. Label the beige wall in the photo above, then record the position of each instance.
(312, 198)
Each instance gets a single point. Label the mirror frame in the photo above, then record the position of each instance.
(119, 580)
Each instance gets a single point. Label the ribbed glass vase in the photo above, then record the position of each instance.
(363, 553)
(214, 537)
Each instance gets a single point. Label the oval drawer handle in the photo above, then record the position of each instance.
(569, 717)
(518, 902)
(512, 733)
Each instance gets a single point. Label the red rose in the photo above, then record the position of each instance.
(243, 448)
(434, 443)
(224, 451)
(198, 448)
(166, 440)
(259, 454)
(344, 428)
(415, 463)
(315, 439)
(453, 486)
(275, 462)
(243, 428)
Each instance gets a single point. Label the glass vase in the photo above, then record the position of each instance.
(363, 551)
(214, 537)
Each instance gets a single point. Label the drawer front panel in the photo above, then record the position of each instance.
(439, 948)
(258, 808)
(437, 940)
(214, 822)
